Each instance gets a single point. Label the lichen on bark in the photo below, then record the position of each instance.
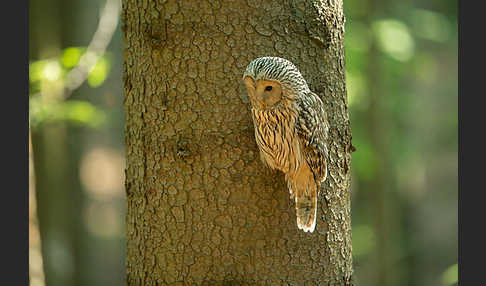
(201, 207)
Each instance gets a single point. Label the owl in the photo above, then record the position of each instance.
(290, 130)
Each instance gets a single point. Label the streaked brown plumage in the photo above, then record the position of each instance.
(290, 130)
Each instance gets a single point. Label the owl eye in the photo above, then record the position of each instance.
(268, 88)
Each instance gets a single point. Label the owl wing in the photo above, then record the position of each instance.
(312, 128)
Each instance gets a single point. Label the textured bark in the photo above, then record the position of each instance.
(202, 208)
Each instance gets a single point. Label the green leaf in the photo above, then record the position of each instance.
(99, 72)
(450, 276)
(82, 112)
(71, 56)
(394, 39)
(78, 112)
(35, 70)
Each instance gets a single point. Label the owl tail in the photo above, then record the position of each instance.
(306, 212)
(304, 189)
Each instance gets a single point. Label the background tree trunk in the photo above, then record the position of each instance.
(36, 264)
(201, 206)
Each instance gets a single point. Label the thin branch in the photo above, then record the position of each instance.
(96, 48)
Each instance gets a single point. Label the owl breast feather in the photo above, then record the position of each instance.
(276, 138)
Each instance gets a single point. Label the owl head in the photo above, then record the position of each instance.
(272, 82)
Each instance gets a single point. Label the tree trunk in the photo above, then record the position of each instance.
(36, 264)
(202, 208)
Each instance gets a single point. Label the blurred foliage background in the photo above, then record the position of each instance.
(402, 92)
